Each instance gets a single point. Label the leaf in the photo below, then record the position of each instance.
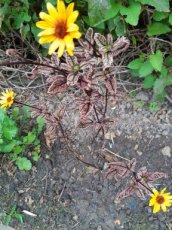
(19, 217)
(94, 96)
(90, 35)
(7, 147)
(35, 156)
(29, 139)
(168, 61)
(145, 69)
(170, 19)
(9, 130)
(58, 86)
(50, 134)
(154, 107)
(72, 79)
(111, 85)
(120, 26)
(131, 189)
(149, 81)
(25, 110)
(113, 10)
(15, 113)
(85, 109)
(120, 45)
(158, 16)
(2, 115)
(23, 163)
(160, 5)
(156, 60)
(157, 28)
(40, 123)
(148, 177)
(20, 18)
(97, 11)
(159, 89)
(119, 169)
(136, 63)
(132, 12)
(100, 40)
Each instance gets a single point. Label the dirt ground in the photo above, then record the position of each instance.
(66, 194)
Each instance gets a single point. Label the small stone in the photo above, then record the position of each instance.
(139, 153)
(21, 191)
(75, 218)
(99, 228)
(166, 151)
(136, 147)
(143, 96)
(165, 133)
(128, 105)
(117, 222)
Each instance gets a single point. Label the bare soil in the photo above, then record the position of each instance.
(66, 194)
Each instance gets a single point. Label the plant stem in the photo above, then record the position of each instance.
(106, 102)
(28, 62)
(70, 148)
(98, 121)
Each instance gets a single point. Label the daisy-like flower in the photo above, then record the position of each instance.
(160, 200)
(59, 28)
(7, 98)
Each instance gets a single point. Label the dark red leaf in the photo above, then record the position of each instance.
(58, 86)
(111, 86)
(85, 109)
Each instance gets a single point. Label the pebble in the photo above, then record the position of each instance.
(143, 96)
(139, 153)
(166, 151)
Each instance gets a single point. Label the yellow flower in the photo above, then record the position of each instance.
(59, 28)
(160, 200)
(7, 98)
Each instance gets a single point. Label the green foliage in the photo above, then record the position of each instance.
(115, 13)
(156, 72)
(6, 217)
(21, 16)
(19, 135)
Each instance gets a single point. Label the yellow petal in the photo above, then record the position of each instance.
(76, 35)
(3, 106)
(61, 9)
(47, 18)
(155, 192)
(52, 10)
(168, 204)
(152, 202)
(70, 52)
(72, 17)
(72, 28)
(69, 45)
(163, 190)
(47, 39)
(54, 46)
(163, 206)
(156, 208)
(43, 25)
(69, 9)
(61, 49)
(49, 31)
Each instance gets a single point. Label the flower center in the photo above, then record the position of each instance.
(75, 68)
(60, 30)
(160, 199)
(9, 99)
